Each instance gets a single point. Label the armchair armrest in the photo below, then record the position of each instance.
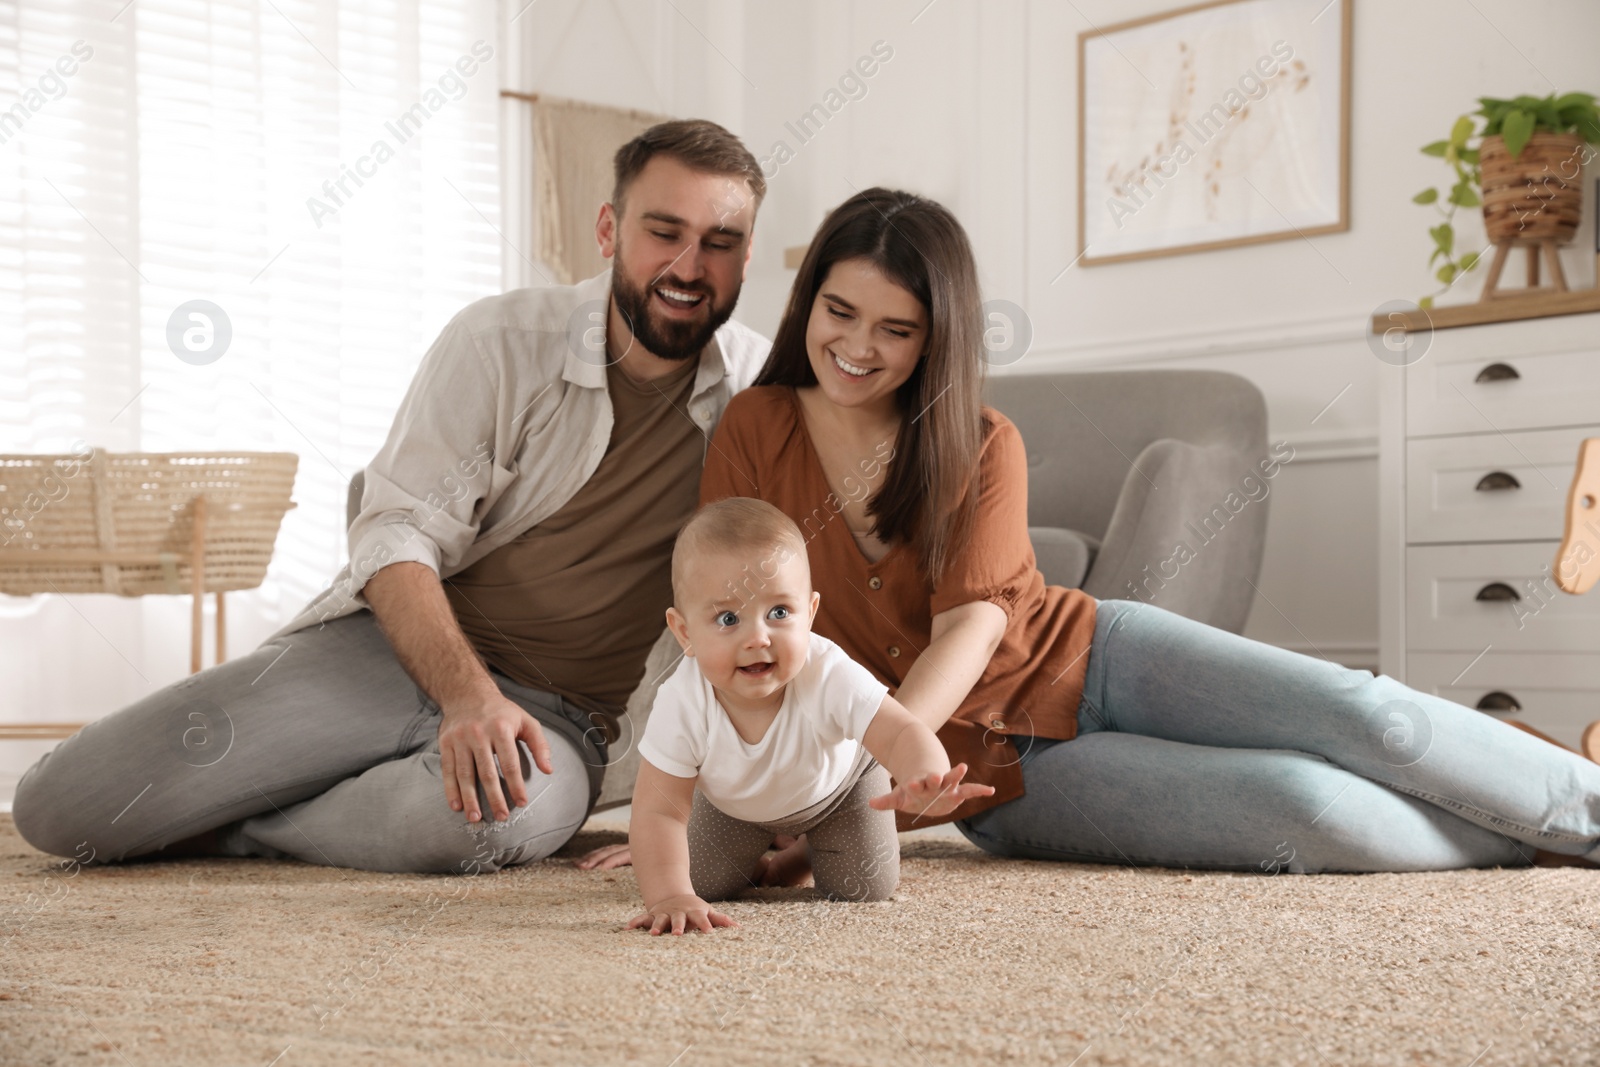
(1187, 532)
(623, 763)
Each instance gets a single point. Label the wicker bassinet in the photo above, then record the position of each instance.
(139, 522)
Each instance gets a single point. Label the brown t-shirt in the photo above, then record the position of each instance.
(881, 613)
(574, 604)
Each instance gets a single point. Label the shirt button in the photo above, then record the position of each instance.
(702, 412)
(997, 724)
(875, 582)
(894, 650)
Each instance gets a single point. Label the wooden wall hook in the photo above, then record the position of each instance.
(1578, 558)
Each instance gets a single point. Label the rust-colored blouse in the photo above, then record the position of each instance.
(882, 613)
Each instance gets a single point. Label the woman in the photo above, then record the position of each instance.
(1112, 731)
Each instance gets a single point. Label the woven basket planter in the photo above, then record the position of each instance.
(125, 523)
(1537, 196)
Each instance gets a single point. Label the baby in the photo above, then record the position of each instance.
(780, 730)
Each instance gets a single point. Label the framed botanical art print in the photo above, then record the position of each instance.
(1216, 125)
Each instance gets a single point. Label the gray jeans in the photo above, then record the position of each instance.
(316, 746)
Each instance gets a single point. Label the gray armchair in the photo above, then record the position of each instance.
(1123, 467)
(1144, 484)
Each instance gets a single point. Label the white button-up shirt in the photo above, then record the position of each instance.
(507, 417)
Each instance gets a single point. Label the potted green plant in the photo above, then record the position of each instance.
(1523, 173)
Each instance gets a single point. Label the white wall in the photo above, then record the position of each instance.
(977, 108)
(1292, 315)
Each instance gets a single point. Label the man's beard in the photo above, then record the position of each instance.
(670, 340)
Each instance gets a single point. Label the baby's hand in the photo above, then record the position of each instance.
(676, 913)
(933, 794)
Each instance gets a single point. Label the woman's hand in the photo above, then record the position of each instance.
(933, 794)
(606, 857)
(676, 913)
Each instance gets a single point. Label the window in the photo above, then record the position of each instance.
(323, 171)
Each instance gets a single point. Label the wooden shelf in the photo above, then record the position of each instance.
(1501, 309)
(39, 731)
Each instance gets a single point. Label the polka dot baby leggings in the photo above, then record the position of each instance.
(855, 851)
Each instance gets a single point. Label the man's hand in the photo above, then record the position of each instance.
(471, 736)
(933, 794)
(479, 723)
(676, 913)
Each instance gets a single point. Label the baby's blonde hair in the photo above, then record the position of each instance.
(736, 524)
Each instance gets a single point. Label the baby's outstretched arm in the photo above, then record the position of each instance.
(926, 783)
(658, 837)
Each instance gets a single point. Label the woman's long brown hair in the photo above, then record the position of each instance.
(930, 490)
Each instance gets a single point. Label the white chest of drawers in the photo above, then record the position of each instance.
(1477, 444)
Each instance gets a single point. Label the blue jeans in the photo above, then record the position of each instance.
(1200, 748)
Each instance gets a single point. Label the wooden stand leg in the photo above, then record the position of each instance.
(1552, 259)
(222, 627)
(1540, 253)
(197, 579)
(1492, 282)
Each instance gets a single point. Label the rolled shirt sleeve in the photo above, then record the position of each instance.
(427, 489)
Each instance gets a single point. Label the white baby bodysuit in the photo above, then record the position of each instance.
(804, 755)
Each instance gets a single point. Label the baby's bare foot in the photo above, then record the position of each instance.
(788, 867)
(202, 844)
(1541, 858)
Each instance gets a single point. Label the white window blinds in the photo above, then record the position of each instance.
(324, 171)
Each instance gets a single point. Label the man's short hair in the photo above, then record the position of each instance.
(737, 524)
(696, 143)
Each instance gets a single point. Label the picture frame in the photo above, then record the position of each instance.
(1217, 125)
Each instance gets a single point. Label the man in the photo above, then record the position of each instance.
(514, 548)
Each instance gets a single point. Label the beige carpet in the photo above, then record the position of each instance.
(976, 961)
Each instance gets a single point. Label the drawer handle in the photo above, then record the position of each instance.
(1498, 591)
(1497, 372)
(1498, 701)
(1498, 480)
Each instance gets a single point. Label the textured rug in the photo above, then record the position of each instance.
(977, 960)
